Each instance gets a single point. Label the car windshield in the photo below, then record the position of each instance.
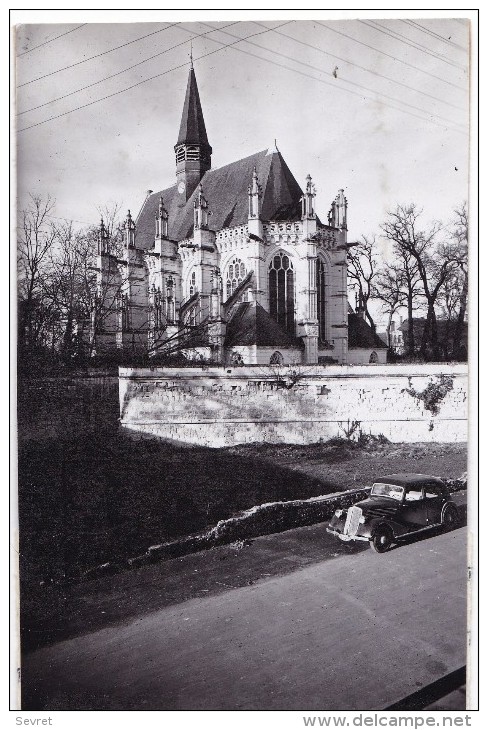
(387, 490)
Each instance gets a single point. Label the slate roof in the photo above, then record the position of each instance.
(253, 325)
(192, 127)
(225, 189)
(360, 333)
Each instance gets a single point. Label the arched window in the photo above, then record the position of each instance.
(170, 307)
(192, 284)
(157, 309)
(373, 358)
(276, 358)
(236, 273)
(321, 300)
(191, 316)
(282, 291)
(123, 312)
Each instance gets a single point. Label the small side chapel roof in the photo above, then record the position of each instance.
(251, 324)
(360, 333)
(225, 190)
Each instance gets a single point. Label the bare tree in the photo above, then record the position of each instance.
(362, 269)
(428, 258)
(460, 237)
(36, 240)
(389, 288)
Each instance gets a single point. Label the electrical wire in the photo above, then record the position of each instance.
(363, 68)
(98, 55)
(388, 55)
(51, 40)
(433, 34)
(106, 78)
(353, 83)
(413, 44)
(122, 91)
(348, 91)
(260, 58)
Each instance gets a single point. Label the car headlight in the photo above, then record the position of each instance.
(338, 512)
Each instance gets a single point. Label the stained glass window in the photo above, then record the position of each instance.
(282, 291)
(236, 273)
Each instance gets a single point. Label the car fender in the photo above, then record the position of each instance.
(378, 522)
(398, 529)
(446, 505)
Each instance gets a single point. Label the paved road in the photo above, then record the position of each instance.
(357, 632)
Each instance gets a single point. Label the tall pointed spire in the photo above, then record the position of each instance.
(193, 152)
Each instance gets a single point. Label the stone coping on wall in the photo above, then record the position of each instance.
(306, 371)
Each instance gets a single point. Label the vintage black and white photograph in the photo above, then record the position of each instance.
(242, 347)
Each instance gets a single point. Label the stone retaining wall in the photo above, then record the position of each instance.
(224, 406)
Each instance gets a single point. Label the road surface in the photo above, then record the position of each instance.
(358, 632)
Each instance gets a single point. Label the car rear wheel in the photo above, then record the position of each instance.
(382, 540)
(450, 517)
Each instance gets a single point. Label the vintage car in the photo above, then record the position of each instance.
(397, 506)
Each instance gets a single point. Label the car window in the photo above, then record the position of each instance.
(413, 495)
(432, 492)
(387, 490)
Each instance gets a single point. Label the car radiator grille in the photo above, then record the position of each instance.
(354, 514)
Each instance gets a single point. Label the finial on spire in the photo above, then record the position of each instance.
(191, 54)
(255, 193)
(102, 238)
(161, 220)
(200, 210)
(308, 210)
(130, 231)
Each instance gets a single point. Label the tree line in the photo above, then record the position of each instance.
(418, 271)
(57, 284)
(64, 303)
(408, 268)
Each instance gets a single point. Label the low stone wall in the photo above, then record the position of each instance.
(224, 406)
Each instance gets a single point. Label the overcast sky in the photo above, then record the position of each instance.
(377, 107)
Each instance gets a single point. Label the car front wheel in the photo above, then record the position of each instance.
(450, 517)
(382, 540)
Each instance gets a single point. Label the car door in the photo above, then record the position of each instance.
(414, 511)
(434, 500)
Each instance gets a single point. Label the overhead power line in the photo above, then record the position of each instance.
(98, 55)
(413, 44)
(51, 40)
(433, 34)
(363, 68)
(118, 73)
(426, 117)
(353, 83)
(388, 55)
(128, 88)
(348, 91)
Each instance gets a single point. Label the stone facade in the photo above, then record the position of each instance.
(219, 239)
(225, 406)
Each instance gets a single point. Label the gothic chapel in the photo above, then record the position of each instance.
(231, 265)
